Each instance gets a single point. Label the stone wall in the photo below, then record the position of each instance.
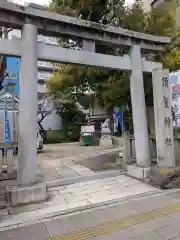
(152, 145)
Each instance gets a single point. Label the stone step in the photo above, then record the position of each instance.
(3, 212)
(2, 188)
(118, 141)
(2, 205)
(2, 197)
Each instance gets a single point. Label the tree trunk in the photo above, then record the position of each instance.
(42, 131)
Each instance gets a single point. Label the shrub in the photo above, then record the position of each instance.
(69, 134)
(54, 136)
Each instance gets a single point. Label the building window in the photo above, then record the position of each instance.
(41, 82)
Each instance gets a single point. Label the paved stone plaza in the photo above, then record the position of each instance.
(75, 197)
(58, 161)
(150, 217)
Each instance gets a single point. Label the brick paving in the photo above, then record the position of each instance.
(155, 217)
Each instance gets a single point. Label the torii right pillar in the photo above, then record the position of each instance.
(163, 118)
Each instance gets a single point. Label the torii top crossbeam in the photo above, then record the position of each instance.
(52, 24)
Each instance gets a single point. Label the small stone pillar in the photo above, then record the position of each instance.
(106, 135)
(126, 148)
(163, 118)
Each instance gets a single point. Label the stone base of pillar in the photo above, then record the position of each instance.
(21, 195)
(165, 162)
(138, 172)
(164, 177)
(8, 176)
(105, 140)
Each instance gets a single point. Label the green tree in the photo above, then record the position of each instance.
(112, 87)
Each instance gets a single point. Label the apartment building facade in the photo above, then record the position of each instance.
(45, 71)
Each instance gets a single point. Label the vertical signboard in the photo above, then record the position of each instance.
(7, 130)
(163, 118)
(11, 80)
(169, 158)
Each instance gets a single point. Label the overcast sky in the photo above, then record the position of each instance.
(45, 2)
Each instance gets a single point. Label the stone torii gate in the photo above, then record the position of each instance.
(32, 22)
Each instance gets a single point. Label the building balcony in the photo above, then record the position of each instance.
(44, 75)
(47, 40)
(51, 40)
(47, 65)
(42, 88)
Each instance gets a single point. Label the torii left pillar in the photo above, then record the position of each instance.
(28, 107)
(27, 189)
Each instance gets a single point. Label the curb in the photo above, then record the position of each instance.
(21, 220)
(67, 181)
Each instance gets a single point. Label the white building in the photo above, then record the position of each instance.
(149, 4)
(45, 71)
(156, 3)
(146, 5)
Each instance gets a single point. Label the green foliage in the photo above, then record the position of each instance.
(71, 115)
(176, 131)
(54, 137)
(161, 20)
(71, 120)
(93, 10)
(172, 59)
(112, 87)
(69, 134)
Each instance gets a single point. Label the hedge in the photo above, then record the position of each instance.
(64, 135)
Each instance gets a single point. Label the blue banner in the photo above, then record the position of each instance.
(119, 117)
(11, 80)
(7, 130)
